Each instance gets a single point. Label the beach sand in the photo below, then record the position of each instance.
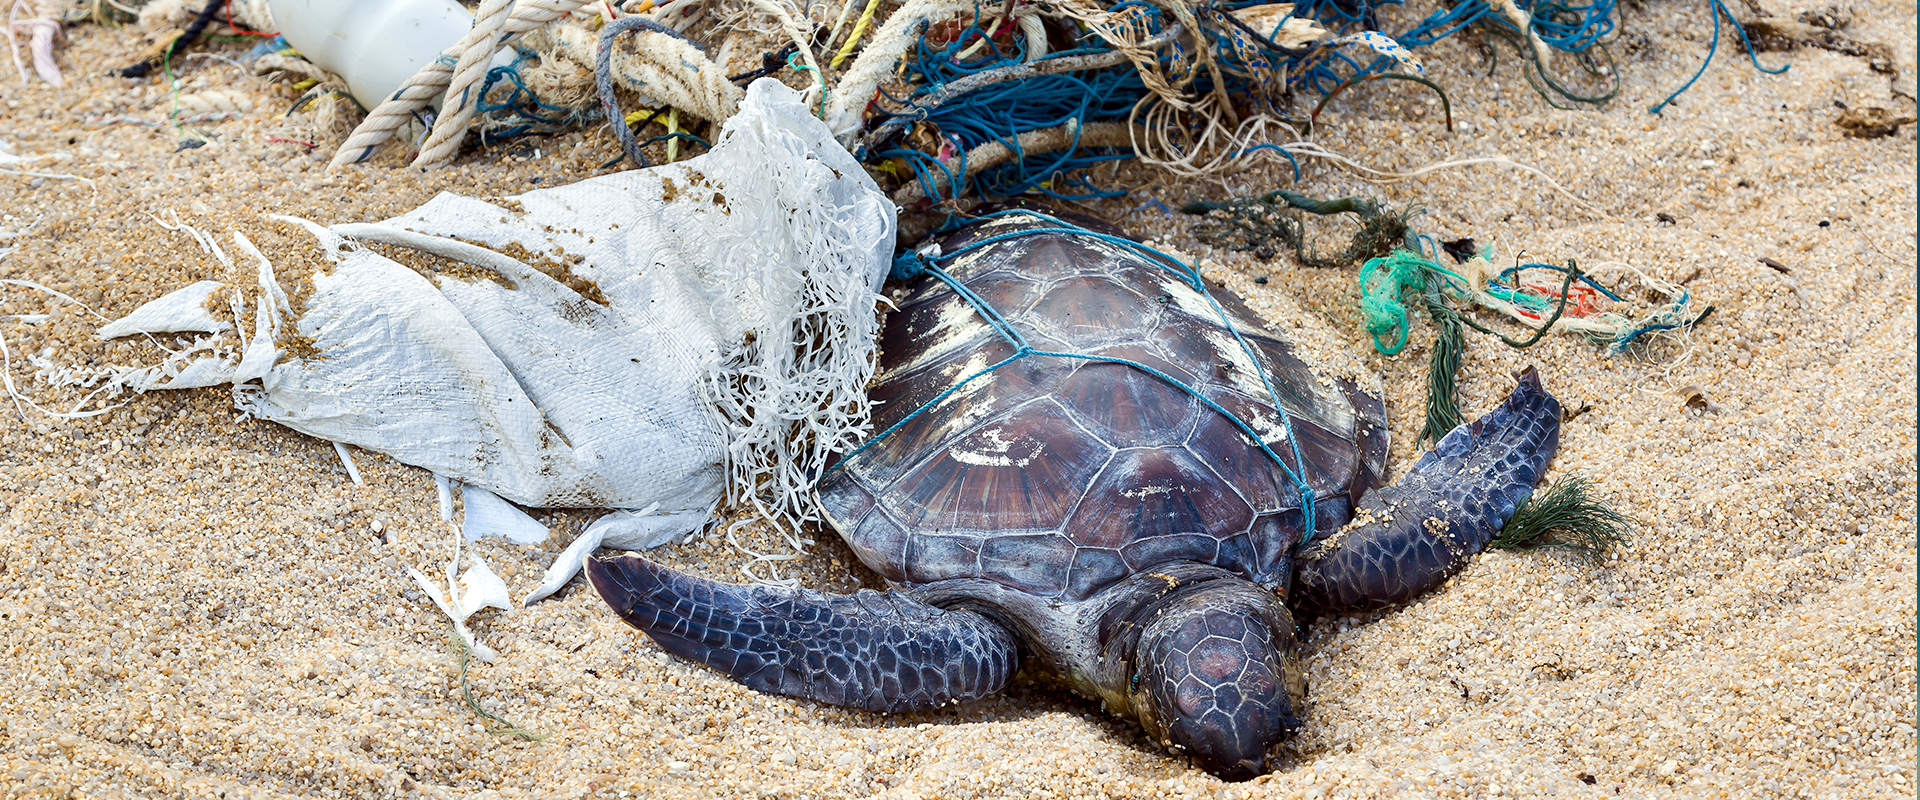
(194, 606)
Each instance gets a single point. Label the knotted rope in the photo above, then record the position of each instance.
(463, 99)
(668, 68)
(398, 109)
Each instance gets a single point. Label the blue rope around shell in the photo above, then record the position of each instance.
(913, 265)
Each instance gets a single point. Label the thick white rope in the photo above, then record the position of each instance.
(463, 92)
(877, 62)
(661, 69)
(1524, 21)
(783, 11)
(393, 113)
(160, 15)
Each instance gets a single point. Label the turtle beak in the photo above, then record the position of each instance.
(1245, 770)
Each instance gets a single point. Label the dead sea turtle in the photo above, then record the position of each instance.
(1093, 519)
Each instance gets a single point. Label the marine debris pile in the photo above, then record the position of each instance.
(943, 102)
(939, 98)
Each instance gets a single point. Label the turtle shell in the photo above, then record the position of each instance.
(1058, 476)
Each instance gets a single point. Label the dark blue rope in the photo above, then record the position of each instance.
(915, 264)
(1620, 345)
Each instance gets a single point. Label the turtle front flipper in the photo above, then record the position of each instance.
(1409, 537)
(880, 651)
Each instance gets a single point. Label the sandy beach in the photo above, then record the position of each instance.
(193, 606)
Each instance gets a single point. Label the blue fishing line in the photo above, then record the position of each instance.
(1716, 9)
(915, 264)
(1572, 28)
(1515, 271)
(1250, 68)
(1068, 170)
(1001, 112)
(1278, 149)
(918, 162)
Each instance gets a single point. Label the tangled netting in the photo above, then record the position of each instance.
(917, 265)
(1194, 87)
(959, 97)
(1199, 88)
(1261, 224)
(1578, 304)
(1402, 268)
(950, 97)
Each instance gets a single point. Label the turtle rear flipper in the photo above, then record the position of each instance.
(880, 651)
(1409, 537)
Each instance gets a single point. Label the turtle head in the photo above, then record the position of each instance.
(1216, 675)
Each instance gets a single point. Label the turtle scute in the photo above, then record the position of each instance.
(1057, 475)
(1213, 664)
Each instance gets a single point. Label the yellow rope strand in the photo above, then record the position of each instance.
(859, 30)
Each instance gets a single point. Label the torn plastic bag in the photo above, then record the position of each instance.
(644, 340)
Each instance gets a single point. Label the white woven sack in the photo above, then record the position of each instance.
(677, 324)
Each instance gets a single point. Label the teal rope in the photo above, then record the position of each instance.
(912, 265)
(1382, 303)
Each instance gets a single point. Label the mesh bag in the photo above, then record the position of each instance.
(642, 340)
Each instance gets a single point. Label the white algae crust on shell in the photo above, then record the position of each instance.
(193, 606)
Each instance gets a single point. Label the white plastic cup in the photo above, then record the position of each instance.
(375, 44)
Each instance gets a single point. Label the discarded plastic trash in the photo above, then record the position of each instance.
(488, 515)
(42, 25)
(465, 594)
(376, 45)
(643, 340)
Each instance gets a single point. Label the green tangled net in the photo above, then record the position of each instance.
(1264, 223)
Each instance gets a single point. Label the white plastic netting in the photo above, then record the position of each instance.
(651, 340)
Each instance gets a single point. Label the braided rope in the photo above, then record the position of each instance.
(664, 67)
(876, 63)
(160, 15)
(667, 68)
(782, 10)
(859, 30)
(957, 168)
(393, 113)
(463, 91)
(1524, 21)
(660, 68)
(1033, 30)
